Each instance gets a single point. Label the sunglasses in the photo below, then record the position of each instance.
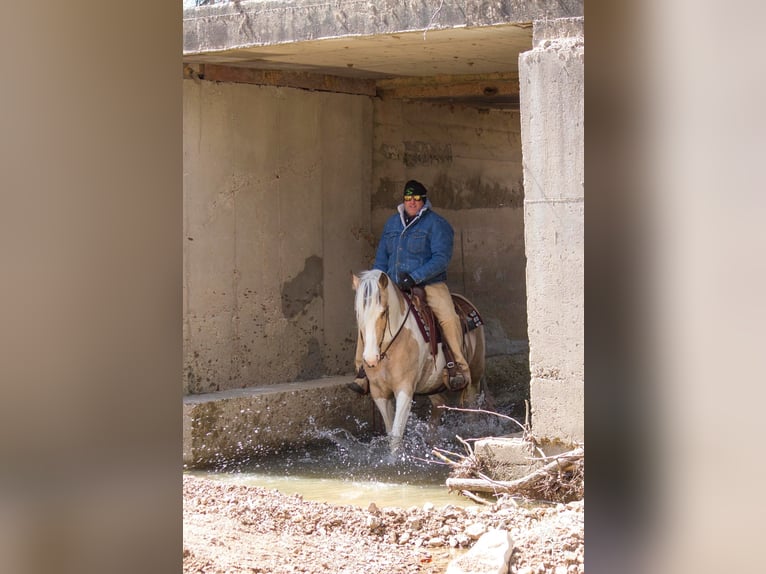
(415, 197)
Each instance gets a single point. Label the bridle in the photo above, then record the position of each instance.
(388, 324)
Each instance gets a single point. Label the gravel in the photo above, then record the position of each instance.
(231, 528)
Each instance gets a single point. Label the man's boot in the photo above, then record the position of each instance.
(360, 384)
(459, 381)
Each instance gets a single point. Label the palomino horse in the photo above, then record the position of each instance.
(397, 358)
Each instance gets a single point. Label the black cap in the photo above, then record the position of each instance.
(413, 187)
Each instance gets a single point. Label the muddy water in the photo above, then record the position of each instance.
(344, 491)
(341, 469)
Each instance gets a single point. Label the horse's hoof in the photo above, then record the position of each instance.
(357, 389)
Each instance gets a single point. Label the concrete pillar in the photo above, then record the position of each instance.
(552, 102)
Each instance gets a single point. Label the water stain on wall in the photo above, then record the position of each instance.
(302, 289)
(475, 193)
(427, 153)
(312, 363)
(388, 193)
(448, 193)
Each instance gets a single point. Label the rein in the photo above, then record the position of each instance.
(391, 342)
(388, 324)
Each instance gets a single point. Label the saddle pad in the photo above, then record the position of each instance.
(469, 315)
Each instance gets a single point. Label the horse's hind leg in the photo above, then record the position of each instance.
(437, 413)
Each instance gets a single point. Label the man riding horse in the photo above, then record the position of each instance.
(414, 250)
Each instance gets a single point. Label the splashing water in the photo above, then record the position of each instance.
(334, 465)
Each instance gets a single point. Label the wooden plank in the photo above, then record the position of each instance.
(289, 79)
(494, 85)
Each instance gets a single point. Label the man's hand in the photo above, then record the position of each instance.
(407, 282)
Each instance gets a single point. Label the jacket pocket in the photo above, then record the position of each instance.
(417, 242)
(390, 241)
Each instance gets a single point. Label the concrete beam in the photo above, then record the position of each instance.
(263, 23)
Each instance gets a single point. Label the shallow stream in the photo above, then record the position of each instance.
(341, 469)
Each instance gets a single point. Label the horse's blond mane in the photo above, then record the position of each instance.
(367, 292)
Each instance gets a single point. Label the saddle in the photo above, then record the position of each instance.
(429, 326)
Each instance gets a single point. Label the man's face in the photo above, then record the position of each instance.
(413, 205)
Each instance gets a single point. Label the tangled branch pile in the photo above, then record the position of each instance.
(561, 479)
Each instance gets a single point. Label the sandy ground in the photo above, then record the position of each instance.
(231, 528)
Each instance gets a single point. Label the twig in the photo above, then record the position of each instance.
(466, 445)
(444, 458)
(472, 496)
(431, 461)
(526, 413)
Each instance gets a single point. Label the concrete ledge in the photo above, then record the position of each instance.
(235, 424)
(509, 457)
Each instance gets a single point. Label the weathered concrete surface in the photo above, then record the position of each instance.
(511, 457)
(276, 201)
(232, 425)
(471, 163)
(241, 24)
(552, 101)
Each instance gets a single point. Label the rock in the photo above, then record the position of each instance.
(475, 530)
(414, 523)
(490, 555)
(373, 522)
(436, 541)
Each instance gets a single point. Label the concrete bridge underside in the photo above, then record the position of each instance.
(429, 52)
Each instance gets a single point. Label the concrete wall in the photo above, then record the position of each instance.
(470, 161)
(276, 195)
(552, 98)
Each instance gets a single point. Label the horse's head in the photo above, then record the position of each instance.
(372, 311)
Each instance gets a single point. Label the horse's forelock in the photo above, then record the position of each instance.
(367, 292)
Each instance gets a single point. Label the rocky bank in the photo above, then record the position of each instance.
(232, 528)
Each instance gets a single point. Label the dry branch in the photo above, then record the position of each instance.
(545, 482)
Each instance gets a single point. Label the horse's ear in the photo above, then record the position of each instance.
(383, 281)
(354, 281)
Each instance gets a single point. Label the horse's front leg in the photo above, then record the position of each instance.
(386, 408)
(403, 407)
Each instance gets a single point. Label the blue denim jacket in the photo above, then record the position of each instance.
(423, 248)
